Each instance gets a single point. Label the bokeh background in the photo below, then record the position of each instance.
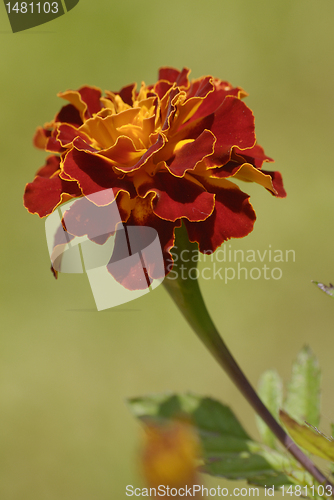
(66, 369)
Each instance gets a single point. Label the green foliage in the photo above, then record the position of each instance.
(309, 437)
(303, 397)
(228, 451)
(303, 394)
(301, 412)
(271, 393)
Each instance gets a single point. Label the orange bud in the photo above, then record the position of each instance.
(170, 455)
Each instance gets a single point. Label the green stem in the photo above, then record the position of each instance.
(188, 298)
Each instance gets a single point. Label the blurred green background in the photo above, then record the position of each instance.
(66, 369)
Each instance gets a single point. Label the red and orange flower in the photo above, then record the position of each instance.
(169, 151)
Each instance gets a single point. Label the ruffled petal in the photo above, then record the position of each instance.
(213, 99)
(186, 110)
(190, 154)
(124, 155)
(233, 125)
(45, 193)
(178, 197)
(255, 155)
(67, 133)
(128, 94)
(93, 172)
(248, 173)
(86, 100)
(180, 78)
(51, 166)
(233, 217)
(277, 182)
(69, 114)
(41, 137)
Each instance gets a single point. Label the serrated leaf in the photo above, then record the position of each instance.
(311, 440)
(329, 289)
(271, 393)
(228, 451)
(303, 398)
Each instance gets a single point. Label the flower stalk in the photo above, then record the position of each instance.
(188, 298)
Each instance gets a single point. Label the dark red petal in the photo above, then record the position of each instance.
(233, 217)
(69, 114)
(182, 79)
(187, 157)
(277, 182)
(67, 133)
(227, 170)
(93, 172)
(82, 145)
(254, 155)
(213, 99)
(161, 88)
(178, 197)
(233, 125)
(51, 166)
(169, 74)
(86, 100)
(43, 195)
(53, 145)
(175, 76)
(170, 110)
(91, 97)
(186, 109)
(127, 93)
(201, 88)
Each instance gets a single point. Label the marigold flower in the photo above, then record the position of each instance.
(169, 151)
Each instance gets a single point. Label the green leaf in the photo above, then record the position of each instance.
(271, 393)
(228, 451)
(309, 438)
(303, 398)
(243, 466)
(211, 418)
(329, 289)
